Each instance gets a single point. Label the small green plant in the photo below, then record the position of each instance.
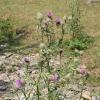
(80, 43)
(6, 30)
(79, 39)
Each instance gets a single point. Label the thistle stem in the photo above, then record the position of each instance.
(38, 93)
(49, 91)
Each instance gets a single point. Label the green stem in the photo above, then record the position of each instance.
(23, 91)
(17, 95)
(49, 92)
(57, 95)
(37, 85)
(48, 38)
(48, 66)
(81, 93)
(82, 88)
(62, 35)
(41, 65)
(38, 93)
(63, 32)
(60, 59)
(42, 36)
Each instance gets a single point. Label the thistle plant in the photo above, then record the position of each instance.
(50, 82)
(74, 20)
(26, 85)
(79, 38)
(53, 28)
(40, 18)
(27, 62)
(45, 55)
(54, 80)
(84, 76)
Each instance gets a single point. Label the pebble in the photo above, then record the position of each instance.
(3, 85)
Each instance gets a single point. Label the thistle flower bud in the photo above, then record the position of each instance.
(54, 78)
(42, 46)
(64, 18)
(39, 16)
(82, 70)
(76, 51)
(58, 21)
(81, 52)
(50, 15)
(70, 18)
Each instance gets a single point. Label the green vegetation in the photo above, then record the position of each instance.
(7, 33)
(23, 13)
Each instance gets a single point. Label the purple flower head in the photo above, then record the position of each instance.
(58, 21)
(50, 15)
(18, 83)
(82, 70)
(54, 78)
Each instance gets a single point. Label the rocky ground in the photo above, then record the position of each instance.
(11, 66)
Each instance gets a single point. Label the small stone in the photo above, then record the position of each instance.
(94, 97)
(22, 97)
(69, 94)
(8, 55)
(98, 97)
(86, 95)
(3, 85)
(75, 88)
